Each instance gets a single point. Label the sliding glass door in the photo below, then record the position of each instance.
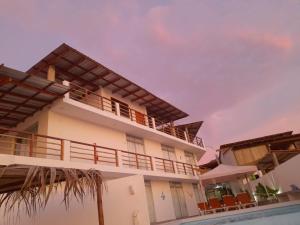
(178, 200)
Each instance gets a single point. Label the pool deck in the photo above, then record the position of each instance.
(233, 212)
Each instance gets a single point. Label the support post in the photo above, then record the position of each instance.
(62, 149)
(67, 83)
(51, 73)
(275, 159)
(95, 154)
(153, 123)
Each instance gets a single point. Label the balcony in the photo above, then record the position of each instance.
(36, 146)
(108, 105)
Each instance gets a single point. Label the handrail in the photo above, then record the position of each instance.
(142, 118)
(34, 146)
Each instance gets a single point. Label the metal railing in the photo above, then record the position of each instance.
(13, 142)
(94, 99)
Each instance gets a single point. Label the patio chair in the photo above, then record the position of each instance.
(230, 202)
(245, 200)
(215, 205)
(204, 208)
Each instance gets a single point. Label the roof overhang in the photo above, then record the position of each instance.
(74, 66)
(22, 95)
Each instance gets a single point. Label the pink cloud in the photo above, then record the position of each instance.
(282, 42)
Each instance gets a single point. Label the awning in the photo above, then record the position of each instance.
(223, 173)
(76, 67)
(22, 95)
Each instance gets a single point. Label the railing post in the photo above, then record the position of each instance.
(184, 168)
(119, 162)
(117, 106)
(95, 154)
(193, 170)
(62, 149)
(153, 123)
(164, 164)
(137, 161)
(31, 143)
(174, 166)
(151, 163)
(66, 150)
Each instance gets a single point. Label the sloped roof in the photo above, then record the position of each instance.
(76, 67)
(193, 128)
(22, 95)
(257, 141)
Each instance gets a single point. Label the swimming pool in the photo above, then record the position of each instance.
(287, 215)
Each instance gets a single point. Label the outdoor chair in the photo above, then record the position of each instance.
(215, 205)
(245, 201)
(204, 208)
(230, 202)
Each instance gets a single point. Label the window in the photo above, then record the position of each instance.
(124, 108)
(168, 152)
(189, 157)
(135, 144)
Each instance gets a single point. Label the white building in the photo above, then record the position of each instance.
(70, 111)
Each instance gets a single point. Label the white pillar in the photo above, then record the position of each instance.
(67, 150)
(117, 107)
(119, 158)
(153, 123)
(185, 136)
(66, 83)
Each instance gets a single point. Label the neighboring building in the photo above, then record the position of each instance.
(73, 112)
(264, 152)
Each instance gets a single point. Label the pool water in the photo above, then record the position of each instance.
(288, 215)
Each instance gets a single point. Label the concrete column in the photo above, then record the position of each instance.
(117, 107)
(185, 136)
(67, 150)
(119, 158)
(153, 123)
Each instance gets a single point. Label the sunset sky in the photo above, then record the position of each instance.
(234, 64)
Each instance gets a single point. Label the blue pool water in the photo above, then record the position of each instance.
(288, 215)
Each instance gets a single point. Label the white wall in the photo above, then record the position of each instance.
(163, 207)
(120, 204)
(71, 128)
(282, 176)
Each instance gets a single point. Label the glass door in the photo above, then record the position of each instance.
(150, 201)
(178, 200)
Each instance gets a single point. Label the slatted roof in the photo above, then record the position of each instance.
(258, 141)
(22, 95)
(76, 67)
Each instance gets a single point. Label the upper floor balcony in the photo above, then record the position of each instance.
(121, 110)
(28, 147)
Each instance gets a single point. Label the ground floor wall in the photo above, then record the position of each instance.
(124, 203)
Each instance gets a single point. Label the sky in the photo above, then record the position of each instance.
(234, 64)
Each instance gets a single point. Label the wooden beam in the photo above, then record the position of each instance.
(139, 97)
(5, 80)
(21, 96)
(18, 103)
(111, 82)
(131, 92)
(12, 111)
(121, 88)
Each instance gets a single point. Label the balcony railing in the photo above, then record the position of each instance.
(105, 104)
(14, 142)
